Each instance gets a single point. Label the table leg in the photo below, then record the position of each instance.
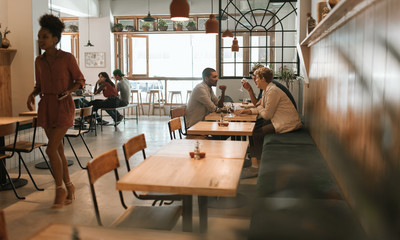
(3, 178)
(203, 214)
(187, 214)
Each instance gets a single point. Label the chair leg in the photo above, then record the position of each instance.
(10, 180)
(47, 163)
(84, 142)
(76, 156)
(29, 173)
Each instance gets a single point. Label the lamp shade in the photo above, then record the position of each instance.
(227, 34)
(148, 18)
(235, 45)
(179, 10)
(212, 25)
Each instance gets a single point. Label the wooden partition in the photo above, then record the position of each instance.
(6, 57)
(353, 107)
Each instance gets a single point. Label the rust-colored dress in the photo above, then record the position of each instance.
(53, 80)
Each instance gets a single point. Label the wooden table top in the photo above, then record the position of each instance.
(212, 128)
(231, 117)
(21, 119)
(184, 175)
(29, 113)
(65, 232)
(212, 148)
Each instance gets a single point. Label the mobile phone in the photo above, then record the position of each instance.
(62, 96)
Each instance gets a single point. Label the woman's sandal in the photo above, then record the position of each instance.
(60, 199)
(71, 193)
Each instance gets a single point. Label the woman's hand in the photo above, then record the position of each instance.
(246, 85)
(242, 111)
(30, 102)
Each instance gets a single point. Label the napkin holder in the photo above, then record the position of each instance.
(223, 124)
(202, 154)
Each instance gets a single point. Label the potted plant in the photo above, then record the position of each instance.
(73, 28)
(130, 28)
(162, 25)
(191, 25)
(146, 26)
(286, 75)
(178, 26)
(117, 27)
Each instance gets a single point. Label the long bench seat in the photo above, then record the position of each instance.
(129, 106)
(298, 198)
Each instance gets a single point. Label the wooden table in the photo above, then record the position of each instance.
(29, 113)
(212, 148)
(66, 232)
(212, 128)
(231, 117)
(168, 173)
(3, 179)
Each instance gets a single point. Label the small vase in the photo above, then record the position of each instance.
(5, 43)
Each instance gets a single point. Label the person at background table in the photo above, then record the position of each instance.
(107, 87)
(57, 76)
(276, 109)
(123, 87)
(203, 100)
(246, 85)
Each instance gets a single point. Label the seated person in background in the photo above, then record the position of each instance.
(203, 100)
(107, 87)
(276, 109)
(123, 87)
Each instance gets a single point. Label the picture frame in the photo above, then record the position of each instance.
(95, 59)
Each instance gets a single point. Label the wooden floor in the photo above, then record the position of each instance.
(25, 217)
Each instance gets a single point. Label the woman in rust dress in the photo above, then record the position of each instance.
(57, 75)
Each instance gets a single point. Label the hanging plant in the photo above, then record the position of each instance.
(286, 75)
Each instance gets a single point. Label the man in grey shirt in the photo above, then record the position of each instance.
(203, 100)
(123, 87)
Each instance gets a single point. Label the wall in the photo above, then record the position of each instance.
(353, 110)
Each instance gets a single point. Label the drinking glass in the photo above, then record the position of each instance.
(241, 84)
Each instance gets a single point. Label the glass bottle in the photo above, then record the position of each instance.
(197, 150)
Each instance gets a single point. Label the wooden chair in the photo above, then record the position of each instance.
(5, 130)
(173, 126)
(3, 229)
(74, 133)
(154, 217)
(179, 112)
(27, 147)
(131, 147)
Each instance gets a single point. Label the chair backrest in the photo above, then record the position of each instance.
(228, 99)
(8, 129)
(3, 229)
(173, 126)
(177, 113)
(86, 111)
(98, 167)
(132, 146)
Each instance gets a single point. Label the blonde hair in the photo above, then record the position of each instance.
(266, 73)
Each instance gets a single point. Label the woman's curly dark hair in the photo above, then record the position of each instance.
(53, 24)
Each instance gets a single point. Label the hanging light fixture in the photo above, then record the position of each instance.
(235, 43)
(212, 23)
(148, 18)
(179, 10)
(227, 33)
(88, 44)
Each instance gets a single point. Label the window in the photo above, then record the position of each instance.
(70, 37)
(266, 34)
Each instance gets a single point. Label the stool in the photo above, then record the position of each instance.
(175, 93)
(153, 103)
(188, 94)
(139, 100)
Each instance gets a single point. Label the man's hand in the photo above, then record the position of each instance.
(222, 87)
(246, 85)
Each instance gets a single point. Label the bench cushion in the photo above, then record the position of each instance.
(300, 136)
(295, 171)
(289, 218)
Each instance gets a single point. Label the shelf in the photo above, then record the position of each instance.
(340, 14)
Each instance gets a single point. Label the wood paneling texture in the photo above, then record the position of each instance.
(353, 110)
(6, 57)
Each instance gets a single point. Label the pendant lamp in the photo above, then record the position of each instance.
(148, 18)
(227, 33)
(212, 23)
(235, 43)
(179, 10)
(89, 44)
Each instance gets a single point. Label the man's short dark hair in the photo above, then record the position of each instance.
(207, 72)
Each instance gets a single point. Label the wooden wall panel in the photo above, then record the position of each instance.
(353, 108)
(6, 57)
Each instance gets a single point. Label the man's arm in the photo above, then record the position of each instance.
(221, 100)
